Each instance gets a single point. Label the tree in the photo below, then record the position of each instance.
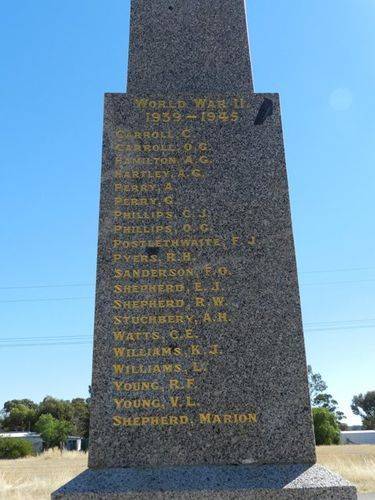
(54, 432)
(22, 414)
(317, 385)
(58, 408)
(8, 405)
(81, 416)
(326, 427)
(319, 397)
(364, 406)
(62, 431)
(19, 417)
(45, 426)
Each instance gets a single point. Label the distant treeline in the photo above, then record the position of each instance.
(26, 415)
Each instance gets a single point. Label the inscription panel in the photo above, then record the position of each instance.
(198, 329)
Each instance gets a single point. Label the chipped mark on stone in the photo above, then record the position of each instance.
(265, 110)
(152, 251)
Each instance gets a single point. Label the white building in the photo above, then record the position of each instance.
(357, 437)
(73, 443)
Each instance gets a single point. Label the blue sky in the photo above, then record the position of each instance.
(58, 59)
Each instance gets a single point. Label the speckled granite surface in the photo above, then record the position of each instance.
(260, 367)
(247, 482)
(188, 46)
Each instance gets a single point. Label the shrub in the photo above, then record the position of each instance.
(326, 427)
(15, 448)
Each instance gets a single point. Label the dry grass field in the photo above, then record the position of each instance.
(35, 478)
(356, 463)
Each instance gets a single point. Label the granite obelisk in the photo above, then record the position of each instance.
(199, 371)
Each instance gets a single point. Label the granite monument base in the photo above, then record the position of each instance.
(219, 482)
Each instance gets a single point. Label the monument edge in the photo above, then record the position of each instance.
(300, 481)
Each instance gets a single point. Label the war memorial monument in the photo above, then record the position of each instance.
(199, 385)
